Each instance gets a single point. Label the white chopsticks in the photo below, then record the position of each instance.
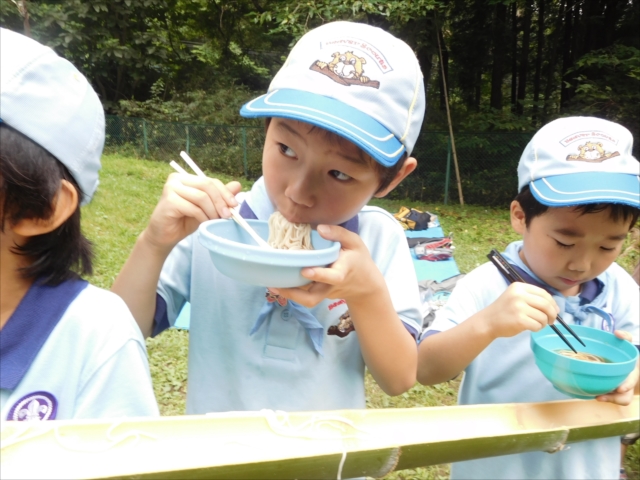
(234, 212)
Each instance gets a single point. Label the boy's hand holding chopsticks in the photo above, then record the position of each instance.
(520, 307)
(188, 200)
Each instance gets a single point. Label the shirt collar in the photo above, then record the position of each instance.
(30, 325)
(258, 206)
(588, 291)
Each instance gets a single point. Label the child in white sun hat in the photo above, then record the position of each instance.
(578, 198)
(68, 349)
(342, 116)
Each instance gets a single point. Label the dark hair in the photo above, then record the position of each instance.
(29, 181)
(385, 174)
(532, 208)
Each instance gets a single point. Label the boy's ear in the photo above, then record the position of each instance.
(518, 218)
(64, 204)
(409, 166)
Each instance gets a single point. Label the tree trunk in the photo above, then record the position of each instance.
(514, 54)
(524, 58)
(551, 66)
(567, 61)
(611, 16)
(538, 66)
(499, 46)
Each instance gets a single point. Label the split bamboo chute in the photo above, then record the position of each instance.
(278, 445)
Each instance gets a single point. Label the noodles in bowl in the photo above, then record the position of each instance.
(587, 357)
(235, 254)
(285, 235)
(599, 368)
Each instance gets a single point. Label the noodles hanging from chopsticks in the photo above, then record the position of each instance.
(288, 236)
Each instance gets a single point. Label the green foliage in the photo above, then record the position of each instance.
(608, 85)
(487, 163)
(488, 119)
(196, 106)
(117, 44)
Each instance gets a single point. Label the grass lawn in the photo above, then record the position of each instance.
(130, 188)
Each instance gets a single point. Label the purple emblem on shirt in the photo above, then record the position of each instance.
(35, 406)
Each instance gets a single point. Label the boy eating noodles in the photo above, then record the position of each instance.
(68, 350)
(578, 198)
(343, 114)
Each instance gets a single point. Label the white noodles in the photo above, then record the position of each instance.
(288, 236)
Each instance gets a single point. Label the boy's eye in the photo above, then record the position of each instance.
(338, 175)
(563, 245)
(287, 151)
(607, 249)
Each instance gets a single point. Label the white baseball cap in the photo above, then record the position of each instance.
(581, 160)
(355, 80)
(46, 98)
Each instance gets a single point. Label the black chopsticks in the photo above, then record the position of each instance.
(513, 276)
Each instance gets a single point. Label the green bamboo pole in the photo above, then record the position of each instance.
(270, 445)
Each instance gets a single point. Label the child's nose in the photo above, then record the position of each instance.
(579, 263)
(302, 191)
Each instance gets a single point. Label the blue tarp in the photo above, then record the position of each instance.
(427, 270)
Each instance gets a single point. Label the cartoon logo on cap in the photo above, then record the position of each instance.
(592, 152)
(346, 69)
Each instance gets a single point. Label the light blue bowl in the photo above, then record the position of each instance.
(235, 254)
(580, 378)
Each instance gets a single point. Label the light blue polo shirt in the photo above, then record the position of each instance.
(73, 351)
(506, 372)
(277, 367)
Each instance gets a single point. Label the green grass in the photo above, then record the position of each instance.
(130, 188)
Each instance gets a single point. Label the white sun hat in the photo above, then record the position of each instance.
(46, 98)
(581, 160)
(355, 80)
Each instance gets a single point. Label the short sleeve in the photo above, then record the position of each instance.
(125, 380)
(625, 302)
(174, 285)
(471, 294)
(389, 250)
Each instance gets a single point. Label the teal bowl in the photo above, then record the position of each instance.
(235, 254)
(580, 378)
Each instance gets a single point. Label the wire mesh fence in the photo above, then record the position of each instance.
(487, 161)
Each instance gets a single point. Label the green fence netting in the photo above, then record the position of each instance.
(487, 161)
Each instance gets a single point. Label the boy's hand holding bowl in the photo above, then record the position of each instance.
(610, 381)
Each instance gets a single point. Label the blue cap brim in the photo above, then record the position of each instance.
(587, 187)
(330, 114)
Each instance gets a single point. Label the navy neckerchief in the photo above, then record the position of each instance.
(310, 323)
(588, 291)
(30, 325)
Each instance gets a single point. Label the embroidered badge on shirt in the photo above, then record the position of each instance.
(35, 406)
(344, 326)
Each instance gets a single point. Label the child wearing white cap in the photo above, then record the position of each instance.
(578, 198)
(342, 116)
(68, 350)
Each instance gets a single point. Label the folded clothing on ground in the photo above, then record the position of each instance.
(413, 219)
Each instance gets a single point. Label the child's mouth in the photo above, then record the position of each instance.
(569, 281)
